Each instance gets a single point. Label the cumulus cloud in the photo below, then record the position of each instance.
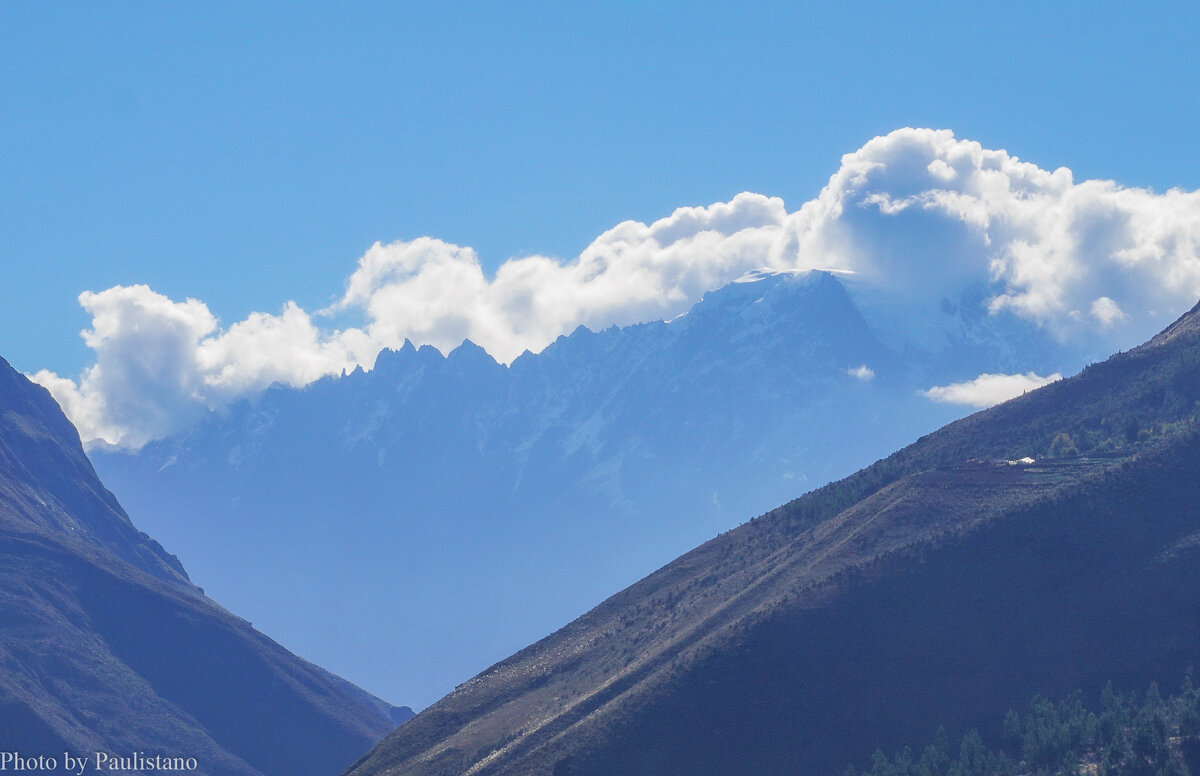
(160, 363)
(1106, 311)
(917, 212)
(862, 372)
(989, 389)
(437, 293)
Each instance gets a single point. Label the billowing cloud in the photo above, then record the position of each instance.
(433, 292)
(1106, 311)
(988, 389)
(160, 363)
(918, 213)
(863, 372)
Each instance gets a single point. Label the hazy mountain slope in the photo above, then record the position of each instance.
(447, 490)
(105, 645)
(929, 588)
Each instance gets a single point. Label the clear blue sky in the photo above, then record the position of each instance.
(247, 153)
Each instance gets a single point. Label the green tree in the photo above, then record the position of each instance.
(1062, 445)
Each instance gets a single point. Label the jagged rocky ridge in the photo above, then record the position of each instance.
(105, 645)
(481, 505)
(940, 586)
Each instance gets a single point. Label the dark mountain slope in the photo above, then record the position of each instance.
(48, 484)
(105, 645)
(941, 585)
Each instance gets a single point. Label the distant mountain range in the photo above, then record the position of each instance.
(408, 525)
(106, 646)
(1046, 545)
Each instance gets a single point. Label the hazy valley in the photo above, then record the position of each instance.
(409, 525)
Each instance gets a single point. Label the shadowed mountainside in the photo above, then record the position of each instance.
(942, 585)
(106, 646)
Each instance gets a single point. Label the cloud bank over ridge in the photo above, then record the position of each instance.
(918, 212)
(988, 389)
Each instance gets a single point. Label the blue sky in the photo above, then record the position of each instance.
(248, 154)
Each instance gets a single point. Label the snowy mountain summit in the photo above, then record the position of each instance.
(480, 504)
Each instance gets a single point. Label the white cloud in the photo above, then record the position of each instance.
(434, 292)
(1106, 311)
(159, 363)
(863, 372)
(989, 389)
(917, 212)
